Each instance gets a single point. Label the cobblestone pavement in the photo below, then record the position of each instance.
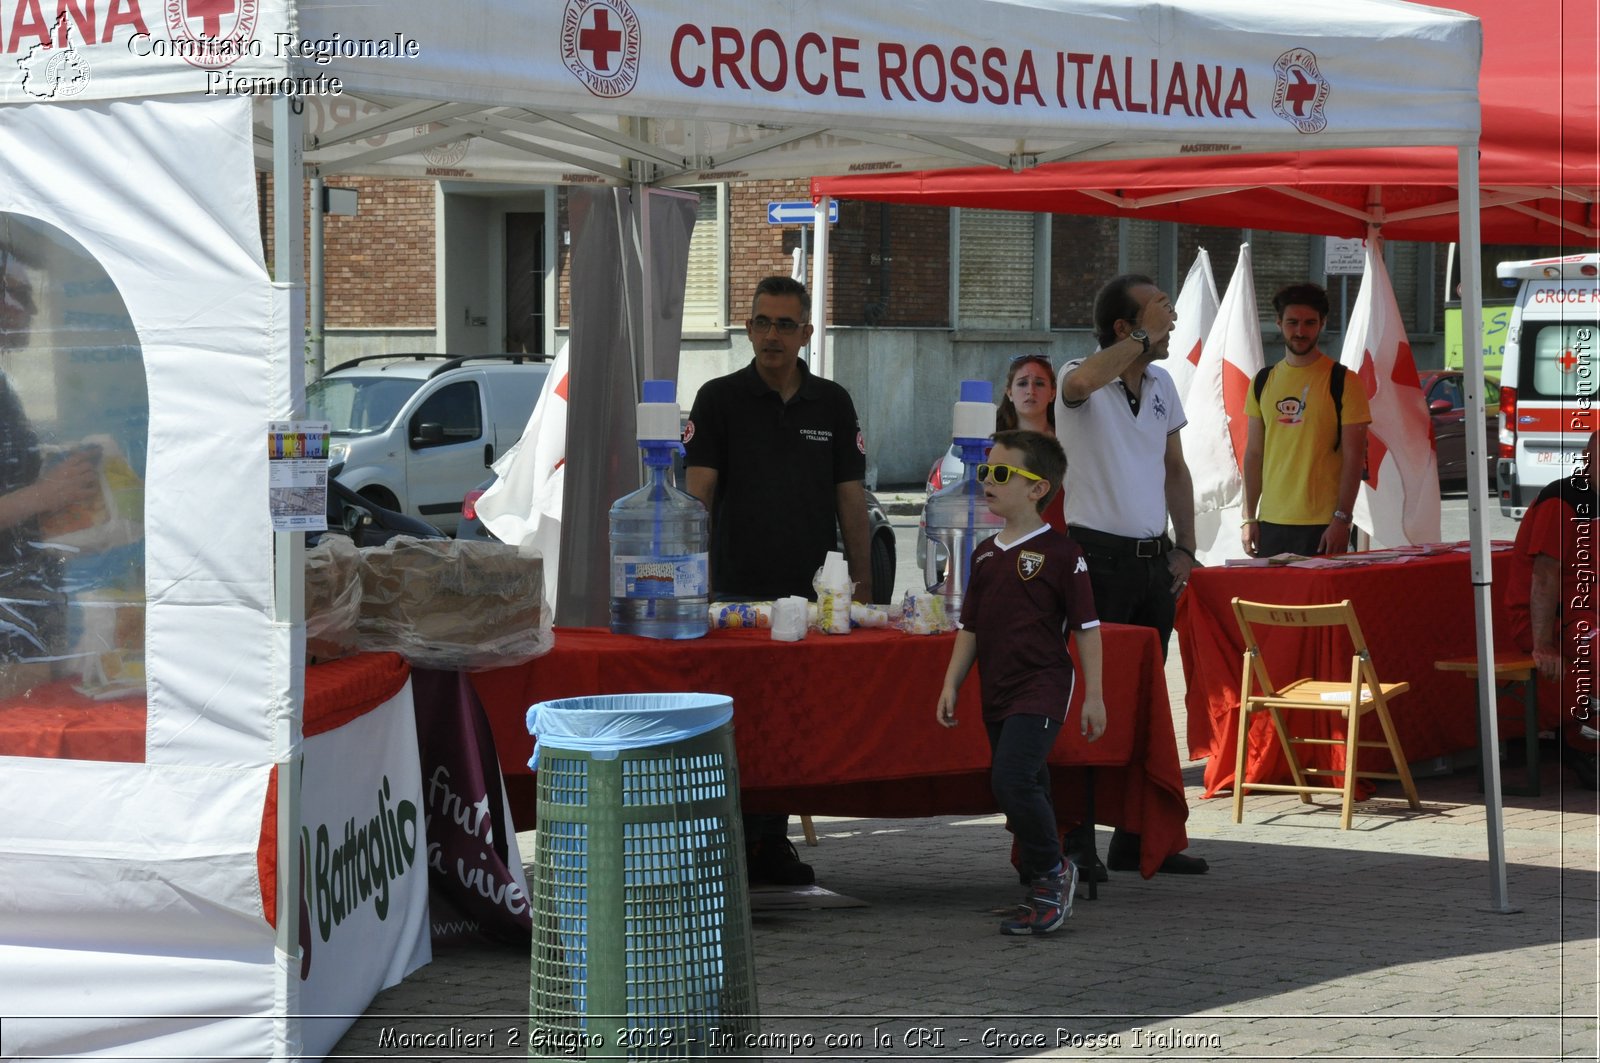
(1303, 942)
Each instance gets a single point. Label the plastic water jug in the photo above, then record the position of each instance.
(660, 576)
(956, 516)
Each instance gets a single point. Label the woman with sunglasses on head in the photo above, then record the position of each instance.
(1029, 398)
(1029, 402)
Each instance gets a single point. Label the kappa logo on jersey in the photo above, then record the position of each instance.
(1029, 564)
(1300, 92)
(1081, 566)
(600, 45)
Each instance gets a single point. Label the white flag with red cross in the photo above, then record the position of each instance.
(1197, 309)
(1399, 499)
(524, 504)
(1214, 439)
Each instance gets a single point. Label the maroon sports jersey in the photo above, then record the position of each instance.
(1020, 603)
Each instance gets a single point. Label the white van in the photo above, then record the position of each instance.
(1549, 378)
(415, 432)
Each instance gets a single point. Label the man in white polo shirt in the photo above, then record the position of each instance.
(1117, 416)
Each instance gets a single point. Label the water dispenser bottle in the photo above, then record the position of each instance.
(660, 578)
(956, 516)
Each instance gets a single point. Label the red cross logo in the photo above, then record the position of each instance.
(210, 13)
(601, 44)
(1301, 92)
(600, 40)
(227, 28)
(1568, 361)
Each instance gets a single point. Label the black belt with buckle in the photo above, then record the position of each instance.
(1120, 544)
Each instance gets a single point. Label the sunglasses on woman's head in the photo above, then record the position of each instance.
(999, 474)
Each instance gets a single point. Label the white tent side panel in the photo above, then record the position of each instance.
(176, 230)
(133, 888)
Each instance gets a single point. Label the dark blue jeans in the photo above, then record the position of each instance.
(1020, 777)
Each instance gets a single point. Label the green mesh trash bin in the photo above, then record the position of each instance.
(641, 914)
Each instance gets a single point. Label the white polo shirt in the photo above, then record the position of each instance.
(1116, 461)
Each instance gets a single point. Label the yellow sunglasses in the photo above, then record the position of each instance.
(999, 474)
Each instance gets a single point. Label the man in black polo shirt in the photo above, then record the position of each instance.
(778, 458)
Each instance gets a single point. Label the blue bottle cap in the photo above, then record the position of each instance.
(660, 391)
(977, 391)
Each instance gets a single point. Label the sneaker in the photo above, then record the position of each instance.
(1049, 903)
(772, 861)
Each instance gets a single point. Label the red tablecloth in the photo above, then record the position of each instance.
(1412, 613)
(844, 725)
(56, 721)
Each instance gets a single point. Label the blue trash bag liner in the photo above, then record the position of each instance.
(603, 725)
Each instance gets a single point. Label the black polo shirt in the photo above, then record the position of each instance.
(775, 514)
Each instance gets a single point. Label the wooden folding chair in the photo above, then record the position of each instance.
(1352, 700)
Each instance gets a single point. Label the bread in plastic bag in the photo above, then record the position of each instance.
(454, 603)
(333, 598)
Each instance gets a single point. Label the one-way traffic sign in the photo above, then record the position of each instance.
(799, 212)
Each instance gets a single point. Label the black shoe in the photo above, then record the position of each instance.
(1123, 855)
(772, 861)
(1087, 872)
(1123, 852)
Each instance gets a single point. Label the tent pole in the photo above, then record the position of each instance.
(289, 605)
(1472, 349)
(317, 355)
(821, 361)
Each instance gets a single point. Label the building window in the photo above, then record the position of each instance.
(997, 268)
(704, 301)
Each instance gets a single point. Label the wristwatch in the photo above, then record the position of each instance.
(1340, 514)
(1143, 337)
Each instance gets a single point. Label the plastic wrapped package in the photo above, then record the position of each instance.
(453, 603)
(924, 614)
(333, 598)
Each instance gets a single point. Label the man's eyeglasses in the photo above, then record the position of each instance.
(999, 474)
(786, 326)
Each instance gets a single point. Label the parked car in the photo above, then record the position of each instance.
(945, 469)
(1444, 391)
(880, 534)
(415, 431)
(366, 523)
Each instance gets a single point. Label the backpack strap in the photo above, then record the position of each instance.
(1336, 389)
(1261, 381)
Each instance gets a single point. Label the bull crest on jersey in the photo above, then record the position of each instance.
(1029, 564)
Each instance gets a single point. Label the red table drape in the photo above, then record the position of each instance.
(58, 722)
(844, 725)
(1412, 613)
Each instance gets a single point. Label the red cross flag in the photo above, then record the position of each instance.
(1197, 309)
(524, 504)
(1399, 501)
(1214, 439)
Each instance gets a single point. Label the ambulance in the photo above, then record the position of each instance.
(1548, 380)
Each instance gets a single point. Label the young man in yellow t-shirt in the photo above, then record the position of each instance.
(1305, 452)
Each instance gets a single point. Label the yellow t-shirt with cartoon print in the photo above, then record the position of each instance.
(1299, 465)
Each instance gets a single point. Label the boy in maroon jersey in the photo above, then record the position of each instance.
(1029, 587)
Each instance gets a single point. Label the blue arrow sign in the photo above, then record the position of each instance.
(799, 212)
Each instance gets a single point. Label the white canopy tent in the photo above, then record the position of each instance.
(105, 119)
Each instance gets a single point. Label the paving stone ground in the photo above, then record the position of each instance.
(1302, 943)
